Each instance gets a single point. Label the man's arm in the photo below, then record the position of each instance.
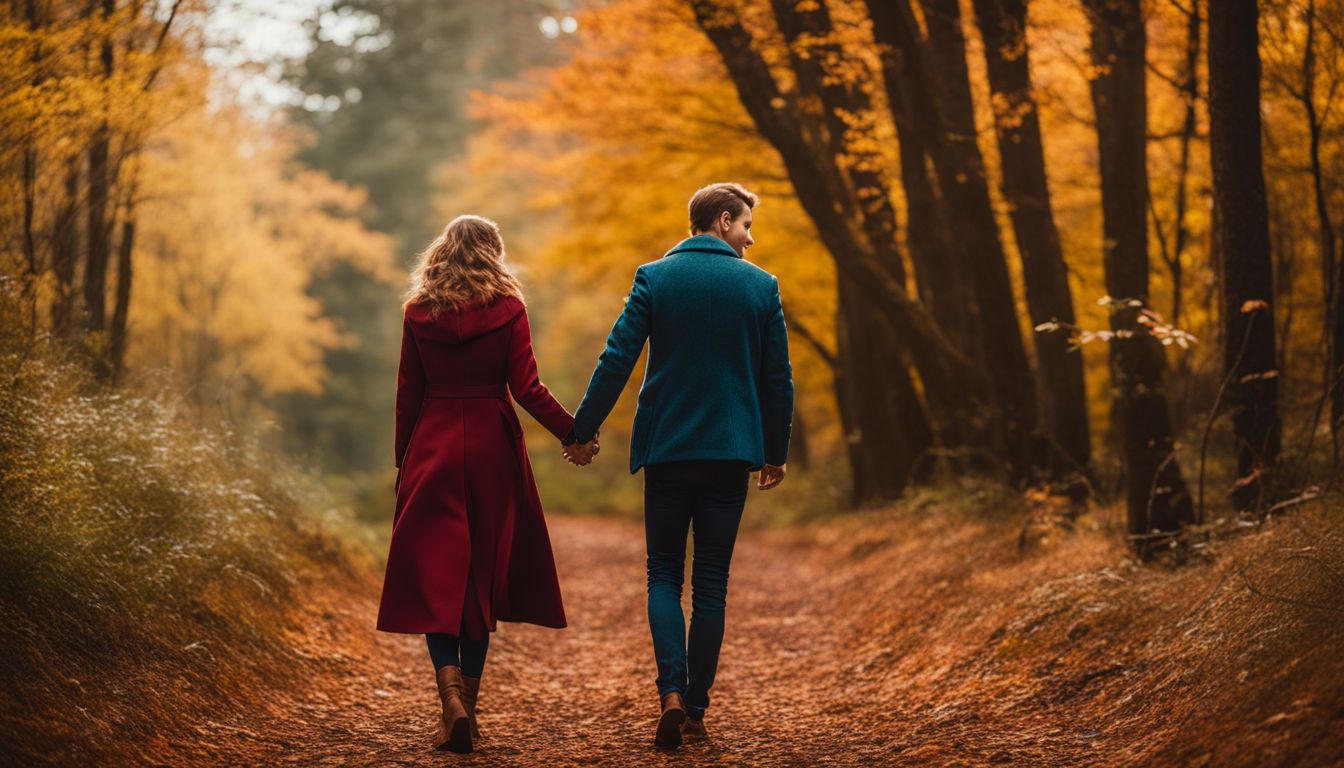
(616, 363)
(776, 386)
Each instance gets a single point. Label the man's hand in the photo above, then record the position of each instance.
(581, 454)
(771, 476)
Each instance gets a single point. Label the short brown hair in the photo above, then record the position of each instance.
(710, 201)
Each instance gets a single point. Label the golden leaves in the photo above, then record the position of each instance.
(1011, 110)
(231, 234)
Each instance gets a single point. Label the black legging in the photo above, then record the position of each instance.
(444, 652)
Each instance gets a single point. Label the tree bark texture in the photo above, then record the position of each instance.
(1003, 25)
(65, 252)
(937, 91)
(1156, 496)
(1249, 361)
(889, 436)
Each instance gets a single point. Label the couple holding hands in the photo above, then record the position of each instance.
(469, 543)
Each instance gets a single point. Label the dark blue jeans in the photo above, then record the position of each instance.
(707, 498)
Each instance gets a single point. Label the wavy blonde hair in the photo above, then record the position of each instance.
(465, 263)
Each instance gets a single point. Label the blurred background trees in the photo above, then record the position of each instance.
(1085, 246)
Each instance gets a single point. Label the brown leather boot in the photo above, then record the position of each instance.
(471, 688)
(693, 730)
(455, 724)
(669, 723)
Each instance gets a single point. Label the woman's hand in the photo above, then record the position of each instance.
(581, 454)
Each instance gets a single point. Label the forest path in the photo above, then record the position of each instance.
(585, 695)
(901, 638)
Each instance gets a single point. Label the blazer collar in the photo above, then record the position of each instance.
(704, 244)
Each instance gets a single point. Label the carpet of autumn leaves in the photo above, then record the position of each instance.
(912, 635)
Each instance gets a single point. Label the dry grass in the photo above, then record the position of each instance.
(148, 568)
(973, 644)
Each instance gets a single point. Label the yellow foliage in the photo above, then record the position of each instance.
(231, 233)
(603, 152)
(229, 229)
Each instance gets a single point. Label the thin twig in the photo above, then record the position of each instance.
(1213, 414)
(1286, 600)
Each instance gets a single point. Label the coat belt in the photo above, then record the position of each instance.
(468, 392)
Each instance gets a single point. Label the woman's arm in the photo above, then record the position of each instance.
(410, 390)
(525, 385)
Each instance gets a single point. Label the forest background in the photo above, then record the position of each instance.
(977, 269)
(1078, 257)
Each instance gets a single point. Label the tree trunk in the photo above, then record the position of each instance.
(929, 239)
(1337, 367)
(30, 278)
(1157, 500)
(1003, 25)
(1248, 277)
(96, 257)
(937, 279)
(1333, 282)
(939, 94)
(30, 163)
(1189, 92)
(875, 354)
(121, 310)
(99, 228)
(888, 436)
(65, 252)
(849, 428)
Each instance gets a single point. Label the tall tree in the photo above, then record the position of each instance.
(1156, 495)
(1248, 277)
(933, 76)
(119, 331)
(1017, 126)
(99, 227)
(1173, 249)
(65, 250)
(877, 375)
(1333, 276)
(929, 240)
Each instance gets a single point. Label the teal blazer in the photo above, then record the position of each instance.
(717, 383)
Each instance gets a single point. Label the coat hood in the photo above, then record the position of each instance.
(704, 244)
(458, 325)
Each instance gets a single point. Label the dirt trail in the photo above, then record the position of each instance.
(584, 695)
(913, 638)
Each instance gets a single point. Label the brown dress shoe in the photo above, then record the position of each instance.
(669, 723)
(694, 730)
(455, 724)
(471, 688)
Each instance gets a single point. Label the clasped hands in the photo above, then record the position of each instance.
(581, 454)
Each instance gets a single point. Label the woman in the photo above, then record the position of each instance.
(469, 543)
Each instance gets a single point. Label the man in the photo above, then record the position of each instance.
(716, 404)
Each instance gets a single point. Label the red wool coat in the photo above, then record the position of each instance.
(469, 542)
